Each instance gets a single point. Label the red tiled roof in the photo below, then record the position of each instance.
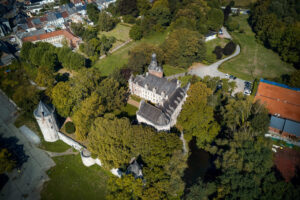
(68, 35)
(65, 14)
(43, 19)
(279, 100)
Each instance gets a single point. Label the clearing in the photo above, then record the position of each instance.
(170, 70)
(70, 179)
(119, 58)
(254, 61)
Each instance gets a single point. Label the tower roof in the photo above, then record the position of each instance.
(154, 65)
(43, 110)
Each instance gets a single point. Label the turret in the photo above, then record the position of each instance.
(45, 117)
(154, 68)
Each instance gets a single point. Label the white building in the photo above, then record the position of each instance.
(210, 36)
(168, 97)
(45, 117)
(46, 2)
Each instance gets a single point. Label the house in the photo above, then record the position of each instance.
(167, 97)
(283, 104)
(56, 38)
(46, 2)
(55, 19)
(4, 27)
(77, 2)
(210, 36)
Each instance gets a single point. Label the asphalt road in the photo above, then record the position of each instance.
(27, 183)
(212, 70)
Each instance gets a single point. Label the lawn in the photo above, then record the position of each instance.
(119, 58)
(31, 123)
(254, 61)
(130, 110)
(70, 179)
(170, 70)
(120, 32)
(211, 45)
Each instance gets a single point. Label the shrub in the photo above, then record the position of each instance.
(219, 52)
(229, 48)
(129, 19)
(70, 128)
(136, 33)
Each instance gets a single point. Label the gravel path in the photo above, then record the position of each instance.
(68, 152)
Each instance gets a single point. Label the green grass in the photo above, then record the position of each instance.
(130, 110)
(70, 179)
(254, 61)
(120, 32)
(211, 45)
(135, 97)
(170, 70)
(31, 123)
(119, 58)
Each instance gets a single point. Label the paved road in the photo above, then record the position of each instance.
(212, 70)
(225, 33)
(27, 184)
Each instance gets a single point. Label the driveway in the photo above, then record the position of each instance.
(212, 70)
(27, 183)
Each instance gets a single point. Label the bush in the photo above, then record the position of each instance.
(129, 19)
(229, 48)
(219, 52)
(70, 128)
(136, 33)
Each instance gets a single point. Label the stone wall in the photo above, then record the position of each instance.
(69, 141)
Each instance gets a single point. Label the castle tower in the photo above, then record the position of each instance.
(154, 68)
(45, 117)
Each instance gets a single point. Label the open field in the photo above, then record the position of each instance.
(70, 179)
(254, 61)
(170, 70)
(120, 32)
(119, 58)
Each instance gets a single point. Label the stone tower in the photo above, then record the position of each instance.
(45, 117)
(154, 68)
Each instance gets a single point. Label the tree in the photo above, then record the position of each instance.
(136, 32)
(143, 6)
(295, 79)
(105, 22)
(201, 191)
(140, 57)
(183, 47)
(61, 98)
(7, 163)
(25, 50)
(218, 51)
(127, 7)
(229, 48)
(45, 77)
(197, 118)
(215, 19)
(89, 110)
(160, 16)
(92, 12)
(231, 24)
(49, 60)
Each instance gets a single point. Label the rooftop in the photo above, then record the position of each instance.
(280, 99)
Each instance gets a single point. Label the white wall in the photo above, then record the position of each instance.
(69, 141)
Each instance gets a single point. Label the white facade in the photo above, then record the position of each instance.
(211, 37)
(46, 2)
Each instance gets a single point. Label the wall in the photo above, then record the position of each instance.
(70, 141)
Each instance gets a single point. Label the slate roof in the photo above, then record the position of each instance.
(161, 115)
(292, 127)
(43, 110)
(135, 169)
(277, 123)
(154, 65)
(160, 84)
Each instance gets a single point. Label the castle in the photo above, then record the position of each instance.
(167, 97)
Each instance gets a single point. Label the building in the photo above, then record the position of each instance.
(4, 27)
(135, 169)
(210, 36)
(46, 2)
(56, 38)
(45, 117)
(167, 97)
(283, 104)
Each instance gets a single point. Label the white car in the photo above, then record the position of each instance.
(226, 75)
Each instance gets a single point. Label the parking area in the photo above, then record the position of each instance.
(27, 182)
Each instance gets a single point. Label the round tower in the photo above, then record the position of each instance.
(154, 68)
(45, 117)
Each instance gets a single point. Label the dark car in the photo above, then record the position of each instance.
(232, 77)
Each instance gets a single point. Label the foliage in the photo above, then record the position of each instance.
(201, 191)
(129, 19)
(45, 77)
(219, 52)
(183, 47)
(85, 33)
(127, 7)
(136, 32)
(276, 25)
(232, 25)
(7, 163)
(92, 12)
(215, 19)
(229, 48)
(70, 127)
(295, 79)
(197, 117)
(140, 57)
(105, 22)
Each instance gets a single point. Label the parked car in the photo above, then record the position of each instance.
(232, 77)
(226, 75)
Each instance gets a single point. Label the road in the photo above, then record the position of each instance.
(212, 70)
(28, 183)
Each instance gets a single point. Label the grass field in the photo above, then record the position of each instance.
(211, 45)
(254, 61)
(170, 70)
(119, 58)
(120, 32)
(70, 179)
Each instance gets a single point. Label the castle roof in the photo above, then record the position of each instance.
(43, 110)
(154, 65)
(160, 84)
(135, 169)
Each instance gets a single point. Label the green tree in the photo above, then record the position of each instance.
(7, 163)
(25, 50)
(49, 60)
(92, 12)
(105, 22)
(136, 32)
(215, 19)
(201, 191)
(183, 47)
(45, 77)
(127, 7)
(295, 79)
(143, 6)
(61, 98)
